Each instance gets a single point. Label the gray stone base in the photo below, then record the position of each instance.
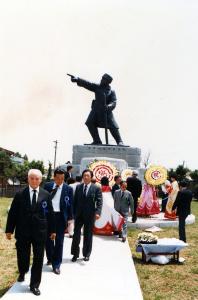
(131, 155)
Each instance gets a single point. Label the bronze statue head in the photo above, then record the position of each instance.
(106, 79)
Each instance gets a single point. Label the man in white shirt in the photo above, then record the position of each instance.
(62, 198)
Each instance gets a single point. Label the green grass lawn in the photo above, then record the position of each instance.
(169, 282)
(8, 265)
(172, 281)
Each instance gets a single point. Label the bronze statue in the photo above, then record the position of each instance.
(101, 115)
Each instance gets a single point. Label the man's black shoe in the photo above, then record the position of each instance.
(86, 258)
(21, 278)
(35, 291)
(74, 258)
(48, 263)
(123, 239)
(56, 271)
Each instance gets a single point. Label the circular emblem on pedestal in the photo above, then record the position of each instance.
(156, 175)
(103, 168)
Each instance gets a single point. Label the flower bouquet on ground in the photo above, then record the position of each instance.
(146, 238)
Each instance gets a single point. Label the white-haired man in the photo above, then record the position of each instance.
(30, 214)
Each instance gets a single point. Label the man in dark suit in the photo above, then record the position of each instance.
(62, 198)
(183, 203)
(134, 185)
(87, 208)
(31, 216)
(116, 186)
(68, 173)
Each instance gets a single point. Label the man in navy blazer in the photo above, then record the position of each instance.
(62, 198)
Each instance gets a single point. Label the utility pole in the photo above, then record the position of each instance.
(56, 143)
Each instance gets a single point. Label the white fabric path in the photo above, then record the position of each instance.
(109, 275)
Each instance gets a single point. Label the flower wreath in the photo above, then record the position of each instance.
(101, 168)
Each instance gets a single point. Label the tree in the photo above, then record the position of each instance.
(23, 171)
(25, 157)
(181, 172)
(194, 175)
(5, 164)
(6, 167)
(146, 160)
(12, 172)
(49, 173)
(17, 154)
(37, 164)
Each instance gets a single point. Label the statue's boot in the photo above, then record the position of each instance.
(95, 134)
(116, 135)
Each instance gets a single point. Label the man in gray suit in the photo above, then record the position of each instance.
(123, 200)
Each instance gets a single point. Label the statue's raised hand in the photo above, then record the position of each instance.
(74, 79)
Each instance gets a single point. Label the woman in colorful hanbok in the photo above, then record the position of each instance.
(172, 191)
(110, 220)
(148, 204)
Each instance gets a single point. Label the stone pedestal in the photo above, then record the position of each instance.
(132, 156)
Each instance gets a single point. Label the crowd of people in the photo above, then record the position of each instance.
(40, 216)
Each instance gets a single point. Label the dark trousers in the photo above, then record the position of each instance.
(164, 202)
(182, 231)
(54, 249)
(23, 259)
(95, 134)
(88, 236)
(134, 216)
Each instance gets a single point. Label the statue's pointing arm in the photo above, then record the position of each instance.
(85, 84)
(112, 103)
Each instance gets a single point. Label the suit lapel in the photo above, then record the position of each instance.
(39, 199)
(27, 197)
(62, 193)
(51, 186)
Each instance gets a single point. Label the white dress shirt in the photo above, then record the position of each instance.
(74, 185)
(88, 187)
(56, 199)
(32, 193)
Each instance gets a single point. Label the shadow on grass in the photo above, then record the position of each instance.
(3, 291)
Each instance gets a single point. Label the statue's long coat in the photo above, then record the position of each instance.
(98, 113)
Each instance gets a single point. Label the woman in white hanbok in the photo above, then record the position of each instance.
(110, 220)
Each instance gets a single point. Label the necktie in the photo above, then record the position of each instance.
(53, 192)
(85, 191)
(34, 200)
(122, 194)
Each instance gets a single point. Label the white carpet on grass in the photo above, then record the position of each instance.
(109, 275)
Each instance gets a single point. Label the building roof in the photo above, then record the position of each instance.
(7, 151)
